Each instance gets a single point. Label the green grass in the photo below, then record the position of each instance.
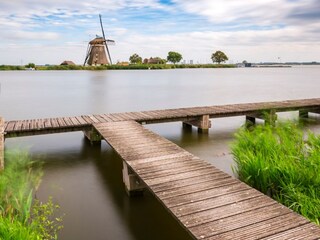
(22, 217)
(282, 163)
(119, 67)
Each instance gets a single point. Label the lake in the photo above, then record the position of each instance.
(87, 180)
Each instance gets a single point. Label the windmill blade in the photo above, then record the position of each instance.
(87, 55)
(110, 42)
(104, 38)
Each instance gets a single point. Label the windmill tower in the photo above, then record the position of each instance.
(97, 49)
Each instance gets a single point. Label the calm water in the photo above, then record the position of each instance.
(86, 180)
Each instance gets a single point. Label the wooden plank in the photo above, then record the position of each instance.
(225, 211)
(68, 121)
(238, 221)
(54, 123)
(205, 194)
(214, 202)
(81, 120)
(61, 122)
(99, 118)
(195, 187)
(10, 126)
(172, 186)
(47, 123)
(304, 232)
(263, 229)
(17, 126)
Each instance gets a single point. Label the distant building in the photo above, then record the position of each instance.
(191, 61)
(68, 63)
(152, 60)
(123, 63)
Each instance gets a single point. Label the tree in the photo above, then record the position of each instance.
(30, 65)
(219, 57)
(135, 58)
(174, 57)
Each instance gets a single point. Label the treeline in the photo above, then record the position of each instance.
(117, 67)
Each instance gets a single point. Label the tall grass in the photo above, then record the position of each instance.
(20, 216)
(282, 163)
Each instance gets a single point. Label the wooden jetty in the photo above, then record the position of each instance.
(195, 116)
(207, 202)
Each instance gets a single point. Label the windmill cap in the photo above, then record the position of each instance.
(98, 40)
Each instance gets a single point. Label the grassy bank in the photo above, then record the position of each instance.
(118, 67)
(282, 164)
(21, 217)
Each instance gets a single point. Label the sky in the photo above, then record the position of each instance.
(51, 31)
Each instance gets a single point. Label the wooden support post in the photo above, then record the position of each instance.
(93, 136)
(250, 120)
(303, 114)
(1, 143)
(270, 118)
(134, 186)
(203, 123)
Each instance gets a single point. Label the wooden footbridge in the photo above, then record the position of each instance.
(207, 202)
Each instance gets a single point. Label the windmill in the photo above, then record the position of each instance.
(97, 48)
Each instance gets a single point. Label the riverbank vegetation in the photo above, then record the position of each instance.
(21, 217)
(118, 67)
(282, 163)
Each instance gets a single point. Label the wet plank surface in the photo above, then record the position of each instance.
(67, 124)
(209, 203)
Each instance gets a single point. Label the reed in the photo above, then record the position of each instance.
(22, 217)
(283, 163)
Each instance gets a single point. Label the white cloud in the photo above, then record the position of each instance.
(266, 29)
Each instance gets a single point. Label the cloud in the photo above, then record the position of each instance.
(254, 30)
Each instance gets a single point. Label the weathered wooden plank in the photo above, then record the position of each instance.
(10, 126)
(195, 187)
(173, 186)
(225, 211)
(87, 119)
(74, 121)
(99, 118)
(47, 123)
(214, 202)
(54, 122)
(17, 126)
(174, 171)
(61, 122)
(238, 221)
(81, 120)
(68, 121)
(205, 194)
(263, 229)
(304, 232)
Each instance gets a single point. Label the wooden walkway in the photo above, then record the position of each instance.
(30, 127)
(207, 202)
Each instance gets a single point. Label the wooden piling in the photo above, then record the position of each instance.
(303, 114)
(1, 143)
(133, 184)
(93, 136)
(250, 120)
(203, 123)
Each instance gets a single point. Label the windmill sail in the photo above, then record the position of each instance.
(104, 37)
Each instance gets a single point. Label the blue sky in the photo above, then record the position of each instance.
(254, 30)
